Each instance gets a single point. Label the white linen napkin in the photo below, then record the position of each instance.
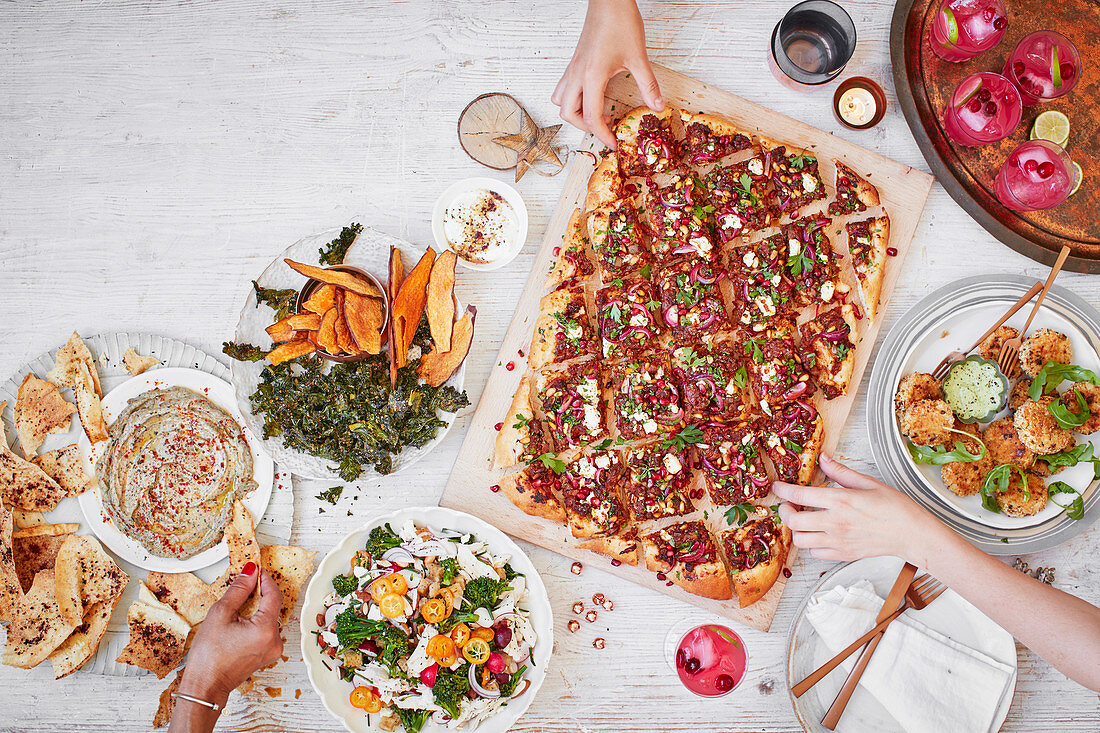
(926, 681)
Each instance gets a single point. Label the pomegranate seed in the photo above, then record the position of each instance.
(991, 108)
(616, 563)
(1068, 70)
(520, 352)
(692, 665)
(669, 584)
(494, 488)
(557, 251)
(573, 625)
(723, 683)
(510, 366)
(892, 251)
(599, 643)
(590, 617)
(1018, 68)
(1030, 165)
(984, 95)
(578, 607)
(786, 572)
(1046, 169)
(498, 426)
(661, 576)
(1000, 23)
(598, 599)
(576, 568)
(609, 605)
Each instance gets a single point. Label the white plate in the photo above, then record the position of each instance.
(220, 393)
(951, 318)
(370, 252)
(334, 691)
(949, 614)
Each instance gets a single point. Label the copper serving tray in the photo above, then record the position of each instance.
(924, 82)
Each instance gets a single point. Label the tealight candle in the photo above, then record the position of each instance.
(859, 103)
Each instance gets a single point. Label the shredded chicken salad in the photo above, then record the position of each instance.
(428, 625)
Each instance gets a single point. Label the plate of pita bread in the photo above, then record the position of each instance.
(66, 598)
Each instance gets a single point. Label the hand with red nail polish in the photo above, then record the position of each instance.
(228, 648)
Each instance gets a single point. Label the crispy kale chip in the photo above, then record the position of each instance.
(337, 249)
(281, 301)
(242, 352)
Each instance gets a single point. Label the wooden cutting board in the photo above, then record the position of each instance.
(903, 192)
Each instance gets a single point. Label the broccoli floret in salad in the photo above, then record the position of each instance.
(413, 720)
(450, 687)
(509, 687)
(483, 592)
(345, 584)
(450, 570)
(382, 539)
(395, 644)
(352, 629)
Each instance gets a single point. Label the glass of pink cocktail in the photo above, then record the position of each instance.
(985, 107)
(1044, 66)
(1037, 175)
(962, 29)
(710, 659)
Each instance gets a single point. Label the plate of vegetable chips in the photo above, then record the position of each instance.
(365, 375)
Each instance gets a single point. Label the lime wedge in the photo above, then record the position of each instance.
(969, 95)
(1079, 176)
(1055, 68)
(952, 25)
(1051, 125)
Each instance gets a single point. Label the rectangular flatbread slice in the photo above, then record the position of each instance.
(868, 242)
(521, 437)
(605, 184)
(687, 554)
(533, 490)
(793, 438)
(678, 221)
(572, 262)
(708, 138)
(628, 317)
(730, 458)
(645, 140)
(644, 398)
(658, 482)
(569, 401)
(621, 548)
(615, 232)
(829, 349)
(562, 329)
(590, 494)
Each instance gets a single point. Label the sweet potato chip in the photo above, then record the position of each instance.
(339, 278)
(326, 334)
(321, 299)
(364, 320)
(290, 350)
(436, 367)
(408, 307)
(288, 328)
(397, 276)
(441, 300)
(343, 334)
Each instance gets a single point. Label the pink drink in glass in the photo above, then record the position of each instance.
(1037, 175)
(1044, 66)
(710, 660)
(962, 29)
(984, 108)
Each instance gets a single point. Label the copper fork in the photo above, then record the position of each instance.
(941, 369)
(921, 592)
(1010, 349)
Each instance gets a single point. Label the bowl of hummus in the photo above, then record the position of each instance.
(176, 458)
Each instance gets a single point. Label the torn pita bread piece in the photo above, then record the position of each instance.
(66, 467)
(11, 591)
(37, 627)
(137, 364)
(167, 703)
(89, 406)
(289, 567)
(86, 574)
(35, 549)
(83, 642)
(158, 635)
(24, 518)
(185, 593)
(65, 372)
(240, 536)
(24, 485)
(39, 411)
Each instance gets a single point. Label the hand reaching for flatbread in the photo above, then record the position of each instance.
(228, 648)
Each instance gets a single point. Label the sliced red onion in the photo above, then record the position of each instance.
(672, 315)
(483, 691)
(758, 481)
(683, 248)
(707, 321)
(810, 410)
(795, 391)
(838, 335)
(398, 555)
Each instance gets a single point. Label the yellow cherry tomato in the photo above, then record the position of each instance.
(440, 647)
(361, 697)
(392, 605)
(460, 634)
(483, 633)
(476, 651)
(434, 610)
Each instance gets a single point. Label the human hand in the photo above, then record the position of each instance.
(228, 648)
(613, 40)
(862, 517)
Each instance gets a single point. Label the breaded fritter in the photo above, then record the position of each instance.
(916, 387)
(1038, 429)
(928, 422)
(1044, 345)
(965, 479)
(1091, 393)
(991, 347)
(1004, 444)
(1015, 502)
(1018, 396)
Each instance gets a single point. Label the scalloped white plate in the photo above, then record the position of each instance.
(334, 691)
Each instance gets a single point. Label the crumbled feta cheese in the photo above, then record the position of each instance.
(731, 221)
(756, 166)
(750, 259)
(591, 418)
(809, 183)
(701, 244)
(603, 461)
(827, 289)
(672, 463)
(649, 426)
(794, 247)
(586, 468)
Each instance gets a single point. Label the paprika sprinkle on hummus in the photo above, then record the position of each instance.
(173, 466)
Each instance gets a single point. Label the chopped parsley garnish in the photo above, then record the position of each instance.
(739, 513)
(690, 435)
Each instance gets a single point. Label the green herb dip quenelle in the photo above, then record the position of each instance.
(975, 389)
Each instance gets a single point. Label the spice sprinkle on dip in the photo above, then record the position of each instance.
(480, 226)
(173, 466)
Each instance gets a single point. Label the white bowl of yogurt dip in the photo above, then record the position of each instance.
(482, 220)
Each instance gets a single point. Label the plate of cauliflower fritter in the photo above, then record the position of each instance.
(1006, 456)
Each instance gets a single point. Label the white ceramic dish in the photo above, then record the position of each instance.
(220, 393)
(371, 253)
(949, 614)
(466, 185)
(334, 691)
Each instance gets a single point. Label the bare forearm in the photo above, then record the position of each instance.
(1039, 616)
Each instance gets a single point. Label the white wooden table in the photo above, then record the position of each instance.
(156, 156)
